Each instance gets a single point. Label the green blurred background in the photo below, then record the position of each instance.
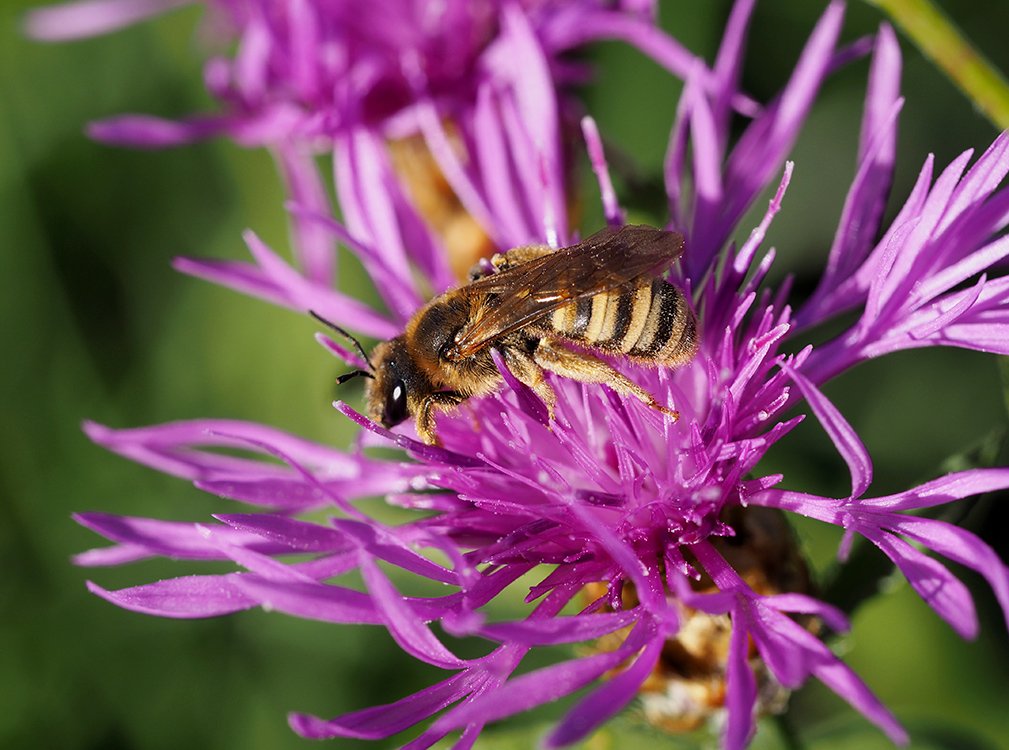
(97, 326)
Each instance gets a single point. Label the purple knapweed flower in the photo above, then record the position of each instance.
(305, 77)
(308, 68)
(640, 531)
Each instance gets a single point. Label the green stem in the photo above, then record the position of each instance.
(939, 40)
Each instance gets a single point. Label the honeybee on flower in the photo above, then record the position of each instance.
(646, 537)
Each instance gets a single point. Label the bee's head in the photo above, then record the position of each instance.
(399, 384)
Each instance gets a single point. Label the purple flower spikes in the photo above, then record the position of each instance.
(641, 536)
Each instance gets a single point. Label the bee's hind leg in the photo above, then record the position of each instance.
(509, 259)
(585, 368)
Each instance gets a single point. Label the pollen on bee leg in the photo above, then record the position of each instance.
(425, 426)
(429, 407)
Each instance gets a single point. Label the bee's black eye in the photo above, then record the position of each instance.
(395, 405)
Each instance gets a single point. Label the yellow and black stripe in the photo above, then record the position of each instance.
(651, 322)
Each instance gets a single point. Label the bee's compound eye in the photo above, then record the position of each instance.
(395, 405)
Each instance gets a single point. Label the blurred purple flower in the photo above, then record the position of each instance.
(309, 68)
(612, 497)
(352, 78)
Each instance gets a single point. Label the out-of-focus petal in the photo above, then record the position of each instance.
(88, 18)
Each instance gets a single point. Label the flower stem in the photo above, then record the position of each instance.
(939, 40)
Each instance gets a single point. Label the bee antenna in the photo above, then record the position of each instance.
(349, 337)
(351, 375)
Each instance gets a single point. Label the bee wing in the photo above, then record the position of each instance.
(608, 259)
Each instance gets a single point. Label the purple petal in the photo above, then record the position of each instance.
(251, 280)
(833, 673)
(559, 630)
(403, 624)
(800, 603)
(382, 542)
(384, 721)
(605, 701)
(310, 600)
(462, 184)
(262, 565)
(183, 449)
(845, 439)
(177, 540)
(542, 686)
(374, 261)
(352, 358)
(728, 66)
(980, 260)
(597, 157)
(962, 547)
(313, 244)
(593, 26)
(896, 283)
(426, 452)
(944, 490)
(980, 181)
(289, 533)
(882, 94)
(370, 199)
(145, 131)
(497, 166)
(117, 554)
(535, 97)
(252, 58)
(707, 165)
(866, 199)
(740, 689)
(92, 17)
(762, 148)
(269, 125)
(305, 43)
(188, 597)
(940, 589)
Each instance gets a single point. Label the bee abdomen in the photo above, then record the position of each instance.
(670, 332)
(651, 322)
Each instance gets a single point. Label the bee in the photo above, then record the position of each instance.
(543, 311)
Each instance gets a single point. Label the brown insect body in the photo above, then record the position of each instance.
(602, 294)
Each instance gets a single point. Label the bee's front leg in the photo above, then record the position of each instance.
(530, 374)
(440, 401)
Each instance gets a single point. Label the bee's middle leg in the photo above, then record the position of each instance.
(585, 368)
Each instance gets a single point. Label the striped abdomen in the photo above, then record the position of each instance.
(652, 322)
